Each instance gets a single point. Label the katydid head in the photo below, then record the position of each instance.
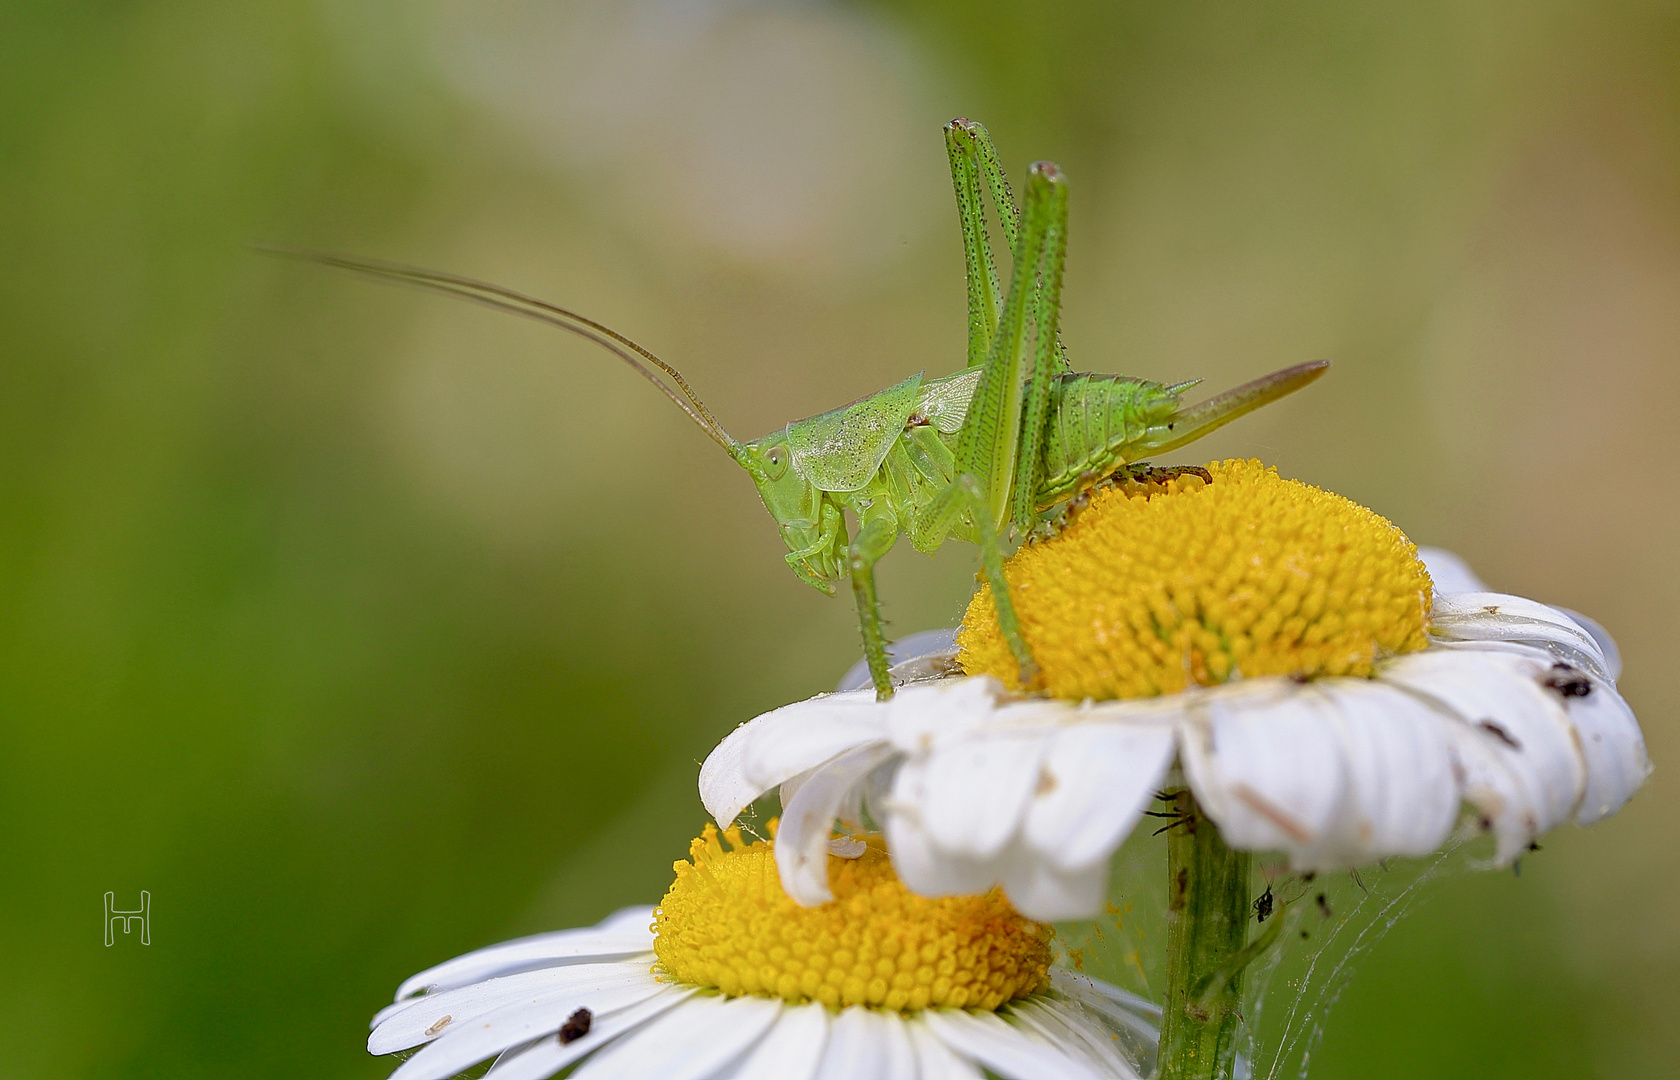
(1190, 423)
(800, 510)
(837, 451)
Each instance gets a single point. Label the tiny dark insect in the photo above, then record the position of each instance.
(1567, 682)
(1324, 906)
(1263, 906)
(576, 1026)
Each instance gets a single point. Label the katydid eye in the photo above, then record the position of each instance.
(775, 462)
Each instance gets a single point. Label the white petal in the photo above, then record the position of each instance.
(1096, 779)
(1040, 890)
(425, 1017)
(1500, 617)
(634, 917)
(976, 791)
(1062, 1025)
(921, 645)
(856, 1047)
(1260, 766)
(921, 717)
(1131, 1021)
(1606, 643)
(688, 1043)
(1613, 748)
(1337, 772)
(896, 1046)
(935, 1060)
(1005, 1050)
(1516, 749)
(625, 937)
(1122, 1006)
(774, 747)
(792, 1049)
(548, 1056)
(1035, 887)
(808, 822)
(485, 1036)
(1400, 764)
(922, 865)
(1449, 573)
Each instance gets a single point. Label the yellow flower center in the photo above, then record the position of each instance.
(727, 923)
(1153, 587)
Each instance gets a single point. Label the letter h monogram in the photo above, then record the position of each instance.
(113, 916)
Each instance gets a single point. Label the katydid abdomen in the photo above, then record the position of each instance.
(1096, 424)
(1099, 423)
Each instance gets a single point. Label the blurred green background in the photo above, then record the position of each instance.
(362, 628)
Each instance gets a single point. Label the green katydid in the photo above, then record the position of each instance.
(979, 455)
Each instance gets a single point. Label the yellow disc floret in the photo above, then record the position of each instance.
(1151, 588)
(727, 923)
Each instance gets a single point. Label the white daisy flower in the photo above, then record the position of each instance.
(1273, 655)
(1276, 640)
(729, 978)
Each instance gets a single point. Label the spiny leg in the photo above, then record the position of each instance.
(988, 447)
(874, 540)
(998, 447)
(974, 167)
(974, 160)
(1041, 264)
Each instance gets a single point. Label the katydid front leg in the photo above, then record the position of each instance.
(998, 448)
(831, 530)
(876, 536)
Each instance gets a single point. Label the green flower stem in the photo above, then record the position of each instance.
(1207, 925)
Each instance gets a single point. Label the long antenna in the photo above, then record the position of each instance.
(498, 298)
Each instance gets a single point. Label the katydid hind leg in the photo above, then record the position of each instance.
(1046, 197)
(985, 157)
(1040, 255)
(988, 445)
(964, 140)
(997, 182)
(990, 458)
